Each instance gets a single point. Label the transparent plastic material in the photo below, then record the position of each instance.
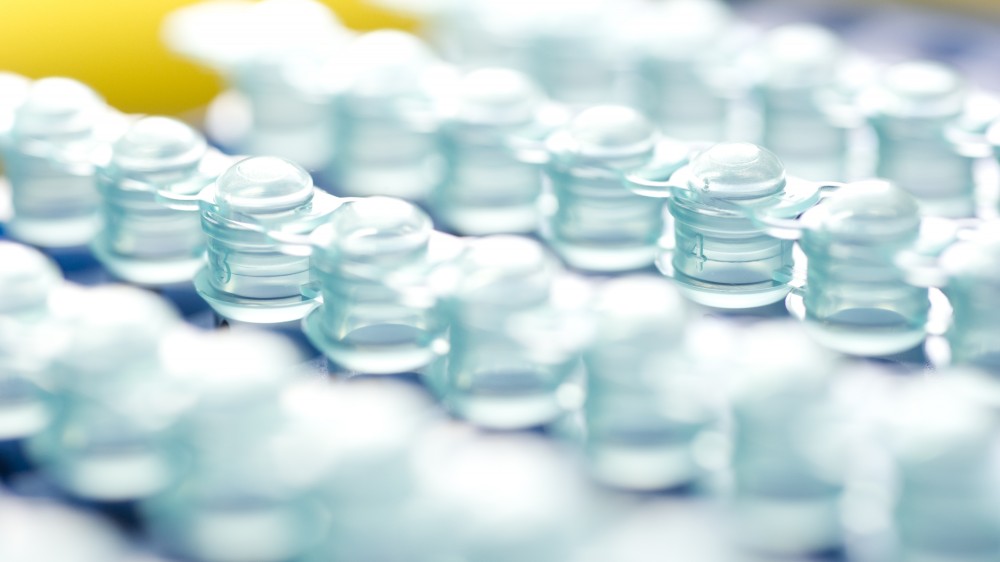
(27, 280)
(13, 91)
(271, 53)
(485, 189)
(501, 498)
(491, 377)
(108, 440)
(370, 260)
(731, 207)
(969, 268)
(857, 299)
(597, 223)
(680, 45)
(935, 430)
(789, 453)
(248, 493)
(380, 92)
(143, 240)
(571, 48)
(248, 278)
(372, 428)
(48, 158)
(475, 33)
(915, 110)
(26, 527)
(646, 403)
(25, 405)
(991, 136)
(799, 64)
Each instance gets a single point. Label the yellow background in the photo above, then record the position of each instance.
(114, 46)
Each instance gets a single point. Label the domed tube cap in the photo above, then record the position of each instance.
(375, 227)
(800, 55)
(736, 170)
(26, 278)
(918, 89)
(154, 144)
(978, 257)
(263, 185)
(500, 271)
(522, 489)
(937, 426)
(610, 132)
(282, 28)
(497, 96)
(778, 360)
(640, 304)
(112, 325)
(227, 367)
(58, 106)
(680, 30)
(27, 526)
(866, 210)
(381, 63)
(363, 423)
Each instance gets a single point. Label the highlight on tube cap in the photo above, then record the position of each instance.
(510, 255)
(374, 226)
(518, 493)
(737, 170)
(159, 143)
(977, 257)
(500, 270)
(919, 89)
(381, 63)
(640, 304)
(611, 131)
(264, 185)
(112, 325)
(58, 106)
(362, 419)
(229, 366)
(682, 29)
(800, 55)
(293, 26)
(27, 526)
(225, 34)
(496, 95)
(26, 278)
(777, 360)
(933, 426)
(864, 210)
